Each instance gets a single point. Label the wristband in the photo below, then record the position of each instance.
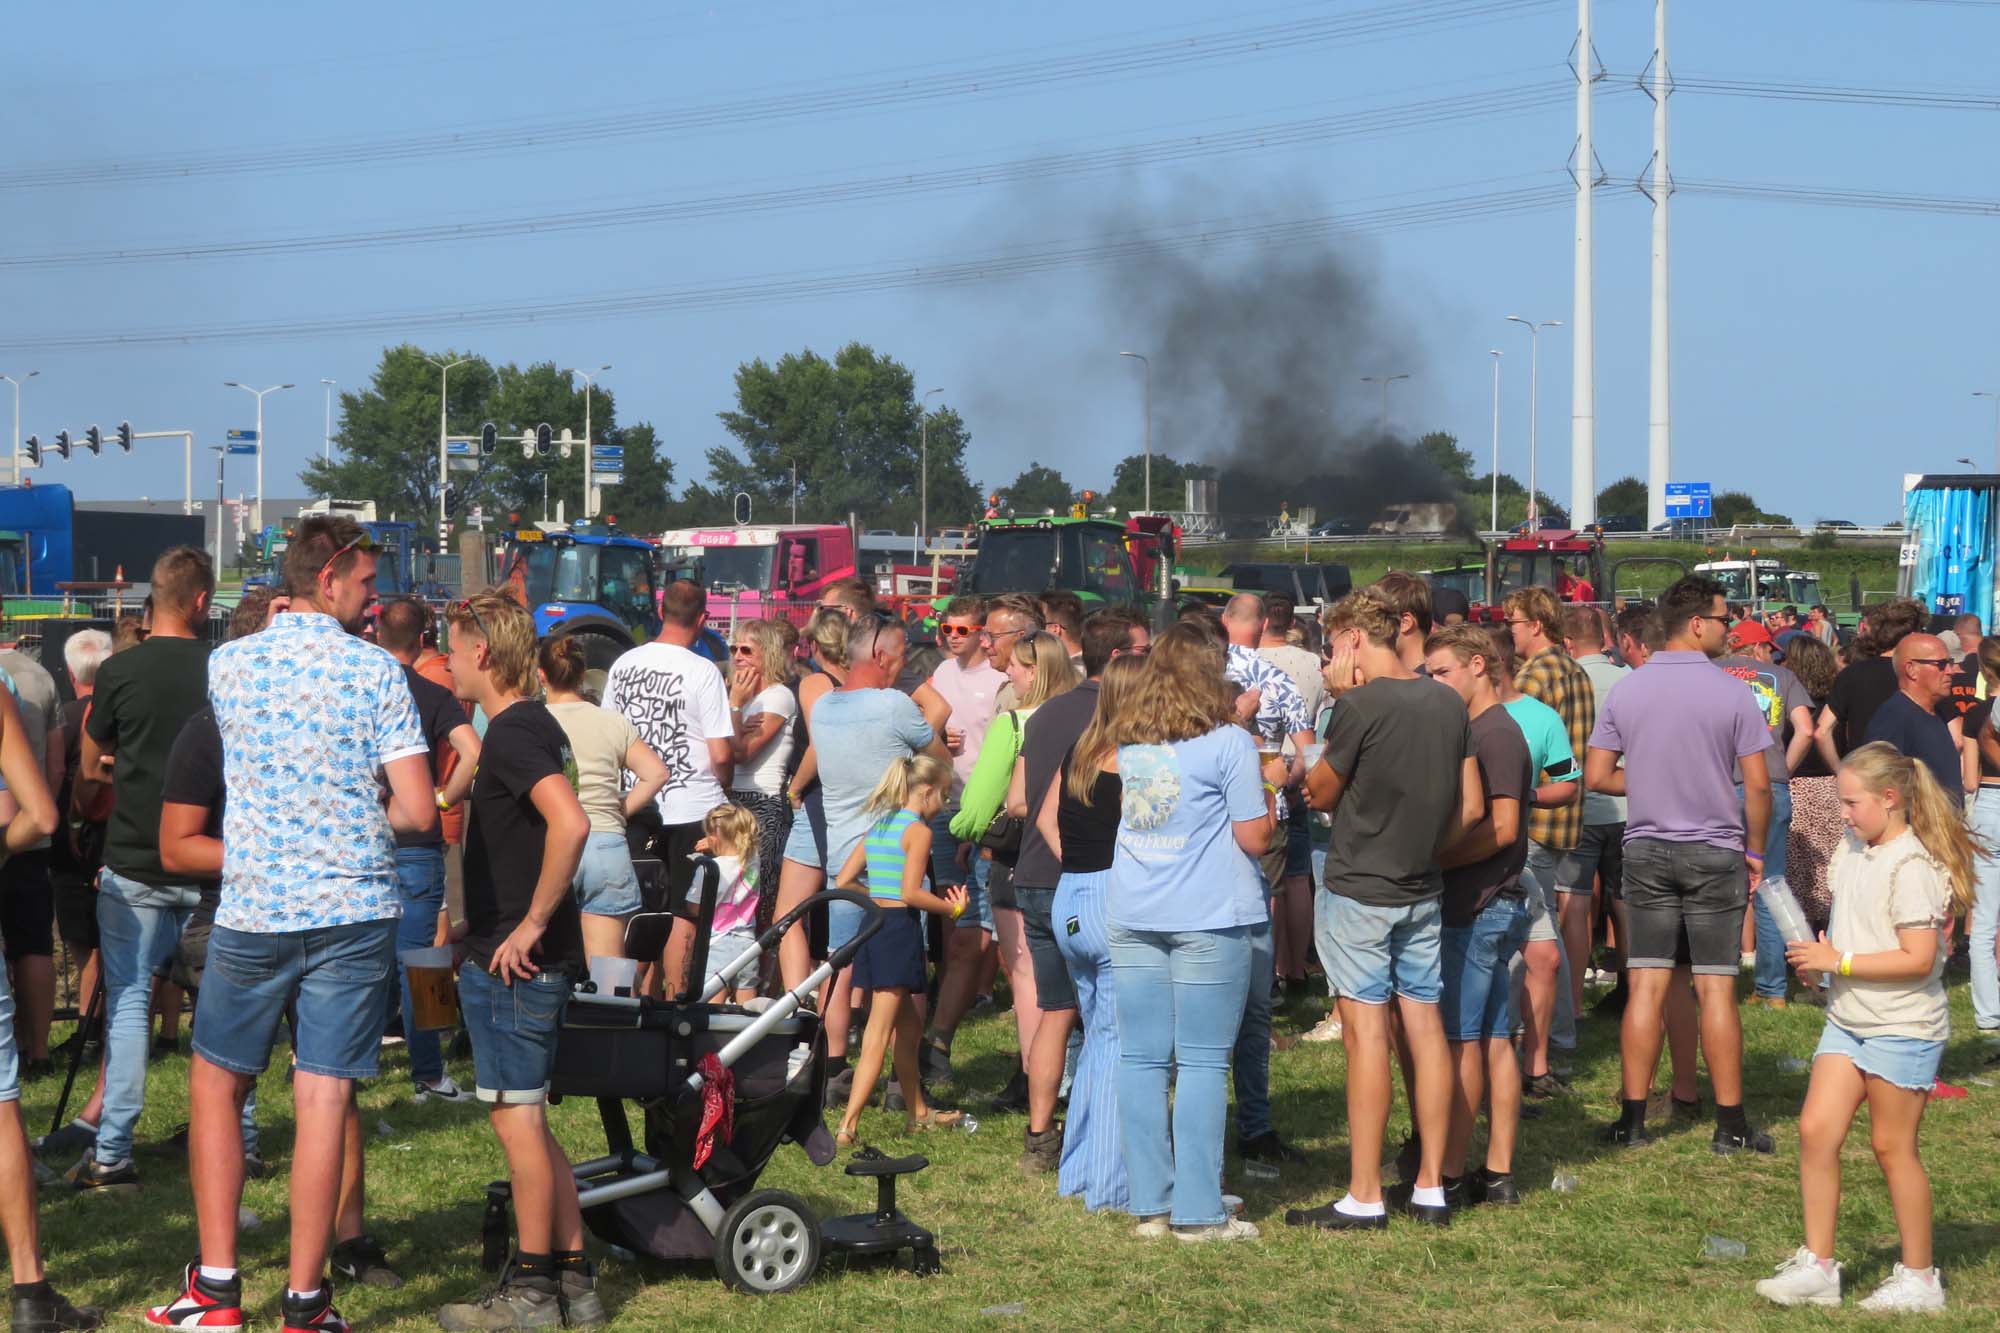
(443, 804)
(1754, 856)
(1271, 788)
(957, 911)
(1847, 964)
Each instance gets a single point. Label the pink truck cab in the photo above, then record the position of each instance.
(764, 571)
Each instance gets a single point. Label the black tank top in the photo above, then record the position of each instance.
(1089, 832)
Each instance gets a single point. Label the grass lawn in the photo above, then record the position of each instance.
(1623, 1251)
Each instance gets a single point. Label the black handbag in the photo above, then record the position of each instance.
(1003, 832)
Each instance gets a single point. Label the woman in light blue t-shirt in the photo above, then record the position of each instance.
(1185, 891)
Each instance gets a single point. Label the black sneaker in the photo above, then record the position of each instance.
(254, 1166)
(363, 1260)
(1727, 1143)
(89, 1176)
(1622, 1134)
(1407, 1158)
(1612, 1005)
(71, 1141)
(1401, 1198)
(933, 1064)
(34, 1069)
(45, 1314)
(1013, 1097)
(1268, 1147)
(1494, 1187)
(840, 1087)
(1326, 1217)
(312, 1314)
(1544, 1086)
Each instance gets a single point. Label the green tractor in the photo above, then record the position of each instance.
(1102, 560)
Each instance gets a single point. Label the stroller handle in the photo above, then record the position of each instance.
(871, 921)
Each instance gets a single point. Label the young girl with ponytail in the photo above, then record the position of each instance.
(891, 862)
(1904, 869)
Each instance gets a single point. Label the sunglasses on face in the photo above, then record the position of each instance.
(743, 649)
(1941, 663)
(960, 631)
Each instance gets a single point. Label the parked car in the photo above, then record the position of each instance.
(1620, 523)
(1337, 527)
(1835, 524)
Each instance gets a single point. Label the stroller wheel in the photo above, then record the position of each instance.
(768, 1243)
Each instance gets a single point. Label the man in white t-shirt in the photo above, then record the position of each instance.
(677, 701)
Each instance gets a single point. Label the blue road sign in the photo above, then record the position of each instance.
(242, 437)
(246, 449)
(458, 448)
(610, 453)
(1690, 499)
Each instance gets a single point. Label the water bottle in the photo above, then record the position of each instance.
(969, 1125)
(1721, 1247)
(1562, 1182)
(1787, 916)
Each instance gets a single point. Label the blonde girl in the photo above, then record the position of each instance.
(729, 834)
(1906, 866)
(891, 862)
(760, 689)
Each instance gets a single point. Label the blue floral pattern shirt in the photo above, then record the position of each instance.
(309, 716)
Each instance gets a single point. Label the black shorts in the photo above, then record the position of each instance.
(1053, 988)
(674, 845)
(28, 905)
(1600, 852)
(76, 914)
(1684, 895)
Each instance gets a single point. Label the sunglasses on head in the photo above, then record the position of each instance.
(362, 543)
(464, 606)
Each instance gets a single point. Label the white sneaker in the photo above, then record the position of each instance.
(1800, 1280)
(1327, 1029)
(1746, 962)
(1908, 1291)
(443, 1090)
(1152, 1228)
(1234, 1228)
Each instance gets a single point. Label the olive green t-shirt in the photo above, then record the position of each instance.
(144, 696)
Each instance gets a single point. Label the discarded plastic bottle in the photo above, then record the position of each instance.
(970, 1124)
(1721, 1247)
(1232, 1204)
(1262, 1172)
(1562, 1182)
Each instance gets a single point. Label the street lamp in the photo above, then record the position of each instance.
(444, 401)
(1976, 393)
(257, 514)
(923, 468)
(14, 466)
(795, 491)
(1385, 381)
(1149, 425)
(1534, 358)
(590, 501)
(329, 420)
(1493, 523)
(1967, 461)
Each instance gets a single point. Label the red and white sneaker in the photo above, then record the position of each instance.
(203, 1304)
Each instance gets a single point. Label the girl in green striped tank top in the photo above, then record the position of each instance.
(890, 864)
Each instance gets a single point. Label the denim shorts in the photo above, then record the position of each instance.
(806, 843)
(606, 884)
(1474, 967)
(334, 980)
(10, 1058)
(1907, 1062)
(1684, 901)
(1538, 893)
(1599, 852)
(1054, 991)
(1380, 951)
(514, 1029)
(843, 923)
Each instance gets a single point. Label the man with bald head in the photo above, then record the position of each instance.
(1908, 720)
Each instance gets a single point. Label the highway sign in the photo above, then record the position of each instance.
(458, 448)
(242, 437)
(1690, 499)
(608, 478)
(243, 448)
(607, 453)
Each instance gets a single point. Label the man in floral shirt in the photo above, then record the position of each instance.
(315, 724)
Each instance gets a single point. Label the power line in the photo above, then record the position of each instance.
(1366, 123)
(1895, 200)
(1380, 21)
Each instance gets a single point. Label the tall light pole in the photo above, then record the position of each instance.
(1385, 381)
(444, 472)
(923, 468)
(257, 514)
(1659, 412)
(795, 491)
(328, 456)
(1149, 425)
(590, 500)
(1534, 363)
(14, 464)
(1976, 393)
(1583, 338)
(1493, 523)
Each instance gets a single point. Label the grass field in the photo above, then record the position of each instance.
(1622, 1251)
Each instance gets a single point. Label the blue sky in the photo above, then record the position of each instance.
(1819, 352)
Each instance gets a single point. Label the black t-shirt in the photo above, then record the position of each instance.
(1921, 736)
(1859, 689)
(1963, 687)
(1811, 765)
(194, 777)
(1976, 722)
(145, 695)
(505, 835)
(1400, 745)
(1505, 770)
(1046, 737)
(440, 712)
(1089, 832)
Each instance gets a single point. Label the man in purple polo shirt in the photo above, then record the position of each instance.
(1682, 726)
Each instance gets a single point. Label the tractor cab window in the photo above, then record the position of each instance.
(1098, 562)
(625, 583)
(1014, 560)
(561, 572)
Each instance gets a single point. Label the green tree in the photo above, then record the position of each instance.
(1733, 507)
(1036, 489)
(1441, 448)
(854, 429)
(1627, 495)
(1170, 478)
(388, 442)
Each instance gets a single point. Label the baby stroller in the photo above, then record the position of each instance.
(692, 1192)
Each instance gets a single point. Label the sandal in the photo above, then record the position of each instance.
(845, 1138)
(932, 1118)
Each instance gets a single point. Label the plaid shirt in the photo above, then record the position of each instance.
(1553, 677)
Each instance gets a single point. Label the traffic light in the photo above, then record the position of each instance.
(93, 440)
(742, 507)
(33, 446)
(450, 501)
(543, 438)
(489, 438)
(125, 436)
(62, 444)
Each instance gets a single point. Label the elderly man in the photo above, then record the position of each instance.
(1908, 719)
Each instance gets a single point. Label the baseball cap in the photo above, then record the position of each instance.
(1745, 632)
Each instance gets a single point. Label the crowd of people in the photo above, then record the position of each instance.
(1158, 833)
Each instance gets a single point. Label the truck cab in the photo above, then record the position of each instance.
(1088, 556)
(767, 571)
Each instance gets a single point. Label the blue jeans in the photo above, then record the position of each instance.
(1180, 1001)
(1985, 820)
(514, 1029)
(420, 885)
(1770, 976)
(332, 980)
(1252, 1063)
(1474, 961)
(1093, 1162)
(138, 926)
